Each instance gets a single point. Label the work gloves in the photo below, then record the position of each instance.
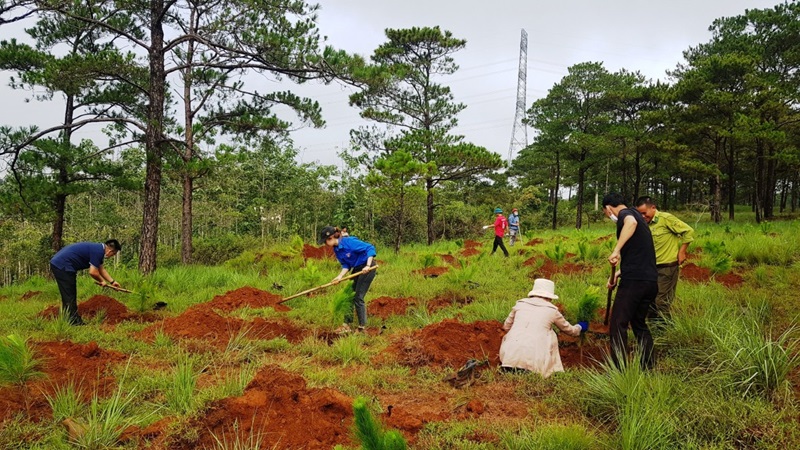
(584, 326)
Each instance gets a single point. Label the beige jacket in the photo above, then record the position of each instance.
(531, 342)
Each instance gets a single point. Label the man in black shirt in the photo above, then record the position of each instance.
(636, 257)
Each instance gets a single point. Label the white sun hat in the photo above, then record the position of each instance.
(543, 288)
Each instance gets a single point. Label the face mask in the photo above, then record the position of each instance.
(613, 218)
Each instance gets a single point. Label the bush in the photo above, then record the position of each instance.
(17, 362)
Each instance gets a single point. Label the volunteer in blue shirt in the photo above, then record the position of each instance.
(72, 258)
(356, 256)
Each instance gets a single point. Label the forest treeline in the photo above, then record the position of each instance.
(199, 163)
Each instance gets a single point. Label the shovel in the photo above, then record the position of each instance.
(118, 289)
(308, 291)
(610, 291)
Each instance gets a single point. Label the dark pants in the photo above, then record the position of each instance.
(68, 287)
(361, 285)
(631, 306)
(498, 242)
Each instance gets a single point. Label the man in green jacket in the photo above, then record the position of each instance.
(671, 238)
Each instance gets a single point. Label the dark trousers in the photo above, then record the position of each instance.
(361, 285)
(68, 287)
(631, 306)
(498, 242)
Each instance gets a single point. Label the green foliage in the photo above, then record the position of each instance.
(181, 393)
(17, 362)
(587, 251)
(310, 275)
(217, 249)
(347, 350)
(428, 260)
(369, 432)
(106, 419)
(557, 253)
(65, 402)
(588, 305)
(342, 304)
(551, 437)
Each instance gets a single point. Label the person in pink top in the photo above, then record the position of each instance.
(531, 344)
(500, 228)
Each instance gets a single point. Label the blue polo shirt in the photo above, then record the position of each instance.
(79, 256)
(352, 252)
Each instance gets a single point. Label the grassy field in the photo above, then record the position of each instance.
(222, 366)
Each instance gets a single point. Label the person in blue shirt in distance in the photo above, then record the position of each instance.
(356, 256)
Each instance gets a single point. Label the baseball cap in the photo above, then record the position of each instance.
(325, 233)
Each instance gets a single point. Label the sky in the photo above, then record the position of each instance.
(637, 35)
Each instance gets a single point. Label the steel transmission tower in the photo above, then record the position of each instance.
(519, 135)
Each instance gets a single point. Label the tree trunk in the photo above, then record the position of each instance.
(399, 231)
(731, 180)
(429, 189)
(555, 191)
(57, 241)
(581, 181)
(153, 141)
(188, 155)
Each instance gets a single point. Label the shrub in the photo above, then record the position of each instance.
(17, 362)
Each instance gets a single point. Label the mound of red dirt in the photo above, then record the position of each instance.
(472, 244)
(322, 252)
(695, 273)
(602, 239)
(114, 311)
(29, 294)
(449, 344)
(384, 307)
(278, 408)
(83, 365)
(534, 242)
(470, 251)
(449, 259)
(729, 280)
(203, 323)
(431, 272)
(247, 296)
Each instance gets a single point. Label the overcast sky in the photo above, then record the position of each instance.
(648, 36)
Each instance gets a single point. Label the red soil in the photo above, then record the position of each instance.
(449, 259)
(384, 307)
(84, 365)
(115, 312)
(603, 238)
(247, 296)
(695, 273)
(449, 344)
(534, 242)
(201, 322)
(30, 294)
(470, 251)
(729, 280)
(322, 252)
(472, 244)
(278, 408)
(431, 272)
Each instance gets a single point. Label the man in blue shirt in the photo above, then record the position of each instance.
(513, 226)
(72, 258)
(357, 256)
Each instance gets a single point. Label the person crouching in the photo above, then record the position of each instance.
(531, 344)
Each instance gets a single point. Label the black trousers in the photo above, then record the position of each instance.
(361, 285)
(68, 287)
(498, 242)
(631, 306)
